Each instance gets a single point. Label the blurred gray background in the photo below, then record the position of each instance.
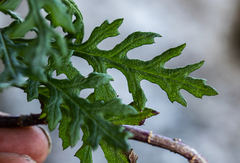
(211, 30)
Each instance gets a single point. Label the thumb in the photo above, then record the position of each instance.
(14, 158)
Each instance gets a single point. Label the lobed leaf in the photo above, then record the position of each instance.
(170, 80)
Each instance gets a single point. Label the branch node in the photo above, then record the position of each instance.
(193, 159)
(149, 136)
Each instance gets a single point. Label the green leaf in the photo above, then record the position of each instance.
(78, 24)
(114, 135)
(170, 80)
(14, 71)
(101, 115)
(35, 19)
(85, 152)
(61, 89)
(63, 127)
(35, 55)
(113, 155)
(138, 119)
(105, 92)
(13, 15)
(9, 5)
(66, 66)
(57, 14)
(32, 89)
(82, 112)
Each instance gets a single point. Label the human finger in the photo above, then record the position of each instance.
(32, 141)
(14, 158)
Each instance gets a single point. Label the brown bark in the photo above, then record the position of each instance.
(21, 121)
(174, 145)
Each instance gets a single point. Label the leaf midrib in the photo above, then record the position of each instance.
(86, 112)
(116, 63)
(77, 51)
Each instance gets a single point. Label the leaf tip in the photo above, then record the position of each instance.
(183, 102)
(158, 35)
(182, 46)
(120, 19)
(202, 62)
(213, 92)
(155, 112)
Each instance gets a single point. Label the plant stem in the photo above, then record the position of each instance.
(141, 135)
(174, 145)
(21, 121)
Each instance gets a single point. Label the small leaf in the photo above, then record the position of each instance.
(32, 89)
(138, 119)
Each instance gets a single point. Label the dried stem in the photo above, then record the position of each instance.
(21, 121)
(173, 145)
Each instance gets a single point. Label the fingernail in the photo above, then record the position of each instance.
(48, 137)
(29, 158)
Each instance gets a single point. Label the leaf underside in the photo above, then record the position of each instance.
(30, 63)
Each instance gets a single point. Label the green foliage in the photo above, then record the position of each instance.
(30, 64)
(14, 70)
(113, 155)
(170, 80)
